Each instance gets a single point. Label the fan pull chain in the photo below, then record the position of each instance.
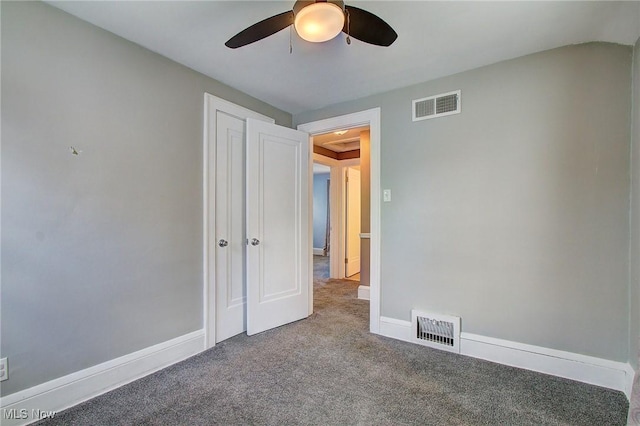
(348, 26)
(290, 36)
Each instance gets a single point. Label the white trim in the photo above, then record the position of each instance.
(582, 368)
(555, 353)
(213, 104)
(396, 329)
(325, 161)
(336, 236)
(318, 251)
(631, 375)
(364, 292)
(587, 369)
(206, 312)
(64, 392)
(371, 118)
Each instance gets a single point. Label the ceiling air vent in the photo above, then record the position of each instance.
(436, 331)
(436, 106)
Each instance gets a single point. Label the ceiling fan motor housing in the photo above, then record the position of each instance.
(319, 21)
(301, 4)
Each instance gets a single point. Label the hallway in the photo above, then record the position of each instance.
(321, 269)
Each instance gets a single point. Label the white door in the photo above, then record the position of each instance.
(352, 246)
(230, 227)
(278, 246)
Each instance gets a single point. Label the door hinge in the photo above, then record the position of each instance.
(346, 260)
(346, 179)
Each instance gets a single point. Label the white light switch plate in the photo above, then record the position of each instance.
(386, 195)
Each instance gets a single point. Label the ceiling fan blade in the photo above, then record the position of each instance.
(367, 27)
(262, 29)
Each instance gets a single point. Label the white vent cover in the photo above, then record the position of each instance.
(436, 331)
(436, 106)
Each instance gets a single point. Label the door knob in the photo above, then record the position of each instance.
(223, 243)
(255, 241)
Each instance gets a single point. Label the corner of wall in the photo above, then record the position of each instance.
(634, 213)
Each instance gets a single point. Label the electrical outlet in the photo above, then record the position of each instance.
(4, 369)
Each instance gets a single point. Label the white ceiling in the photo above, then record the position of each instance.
(434, 39)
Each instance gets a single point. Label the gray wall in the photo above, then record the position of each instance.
(514, 213)
(634, 246)
(101, 252)
(320, 201)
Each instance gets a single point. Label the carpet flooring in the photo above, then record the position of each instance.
(320, 268)
(329, 370)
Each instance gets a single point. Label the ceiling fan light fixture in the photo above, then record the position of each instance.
(319, 22)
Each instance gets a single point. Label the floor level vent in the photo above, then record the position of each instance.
(436, 331)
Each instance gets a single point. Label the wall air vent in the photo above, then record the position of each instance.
(436, 331)
(436, 106)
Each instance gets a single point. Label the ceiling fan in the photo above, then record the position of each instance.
(318, 21)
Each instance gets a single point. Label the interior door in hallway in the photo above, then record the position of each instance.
(230, 224)
(278, 228)
(352, 236)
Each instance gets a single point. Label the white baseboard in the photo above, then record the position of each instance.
(582, 368)
(363, 292)
(631, 375)
(396, 329)
(318, 251)
(64, 392)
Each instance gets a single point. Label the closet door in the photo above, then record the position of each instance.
(230, 225)
(278, 259)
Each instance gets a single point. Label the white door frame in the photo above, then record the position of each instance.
(336, 211)
(371, 118)
(348, 227)
(213, 104)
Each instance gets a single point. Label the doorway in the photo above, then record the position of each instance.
(341, 188)
(369, 118)
(321, 221)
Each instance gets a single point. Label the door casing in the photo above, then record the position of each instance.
(370, 117)
(352, 224)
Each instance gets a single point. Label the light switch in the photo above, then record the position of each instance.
(386, 195)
